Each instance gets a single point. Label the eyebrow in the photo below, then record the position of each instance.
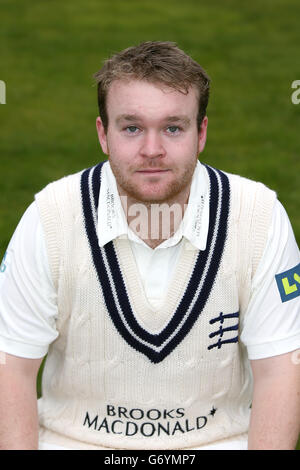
(135, 117)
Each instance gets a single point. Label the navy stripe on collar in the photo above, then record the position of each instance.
(157, 346)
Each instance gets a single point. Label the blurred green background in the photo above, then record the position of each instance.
(49, 51)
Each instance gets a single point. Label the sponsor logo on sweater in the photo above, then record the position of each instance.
(149, 423)
(288, 283)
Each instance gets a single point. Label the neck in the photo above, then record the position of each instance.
(154, 222)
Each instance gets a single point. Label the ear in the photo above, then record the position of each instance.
(102, 135)
(202, 134)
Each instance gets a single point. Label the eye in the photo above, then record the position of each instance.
(131, 129)
(173, 129)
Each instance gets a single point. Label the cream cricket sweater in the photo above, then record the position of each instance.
(118, 376)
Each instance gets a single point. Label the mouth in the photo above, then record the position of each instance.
(152, 171)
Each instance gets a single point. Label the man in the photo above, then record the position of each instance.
(165, 292)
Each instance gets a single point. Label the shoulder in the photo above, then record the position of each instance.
(251, 197)
(71, 186)
(251, 207)
(247, 185)
(61, 185)
(241, 185)
(248, 198)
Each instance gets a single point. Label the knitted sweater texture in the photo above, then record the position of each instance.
(119, 376)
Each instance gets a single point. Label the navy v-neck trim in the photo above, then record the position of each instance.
(157, 346)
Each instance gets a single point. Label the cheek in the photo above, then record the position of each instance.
(121, 157)
(185, 150)
(120, 148)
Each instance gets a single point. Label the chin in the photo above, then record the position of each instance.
(156, 195)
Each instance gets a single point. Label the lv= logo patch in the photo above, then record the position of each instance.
(288, 283)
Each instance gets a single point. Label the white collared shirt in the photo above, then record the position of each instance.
(28, 308)
(155, 265)
(194, 226)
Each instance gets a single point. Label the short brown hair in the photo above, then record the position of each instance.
(156, 62)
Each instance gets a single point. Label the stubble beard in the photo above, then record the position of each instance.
(154, 218)
(173, 192)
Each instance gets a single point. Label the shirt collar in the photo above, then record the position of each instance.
(112, 222)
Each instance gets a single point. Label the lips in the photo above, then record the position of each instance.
(152, 170)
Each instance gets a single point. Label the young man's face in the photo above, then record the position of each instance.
(152, 140)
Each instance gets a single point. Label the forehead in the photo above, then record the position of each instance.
(149, 99)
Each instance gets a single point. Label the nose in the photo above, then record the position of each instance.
(152, 145)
